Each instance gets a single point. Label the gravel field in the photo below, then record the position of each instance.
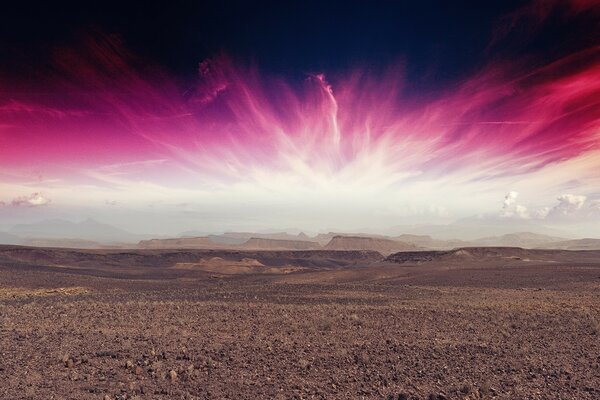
(348, 325)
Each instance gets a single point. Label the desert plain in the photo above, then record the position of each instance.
(469, 323)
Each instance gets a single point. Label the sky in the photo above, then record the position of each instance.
(317, 116)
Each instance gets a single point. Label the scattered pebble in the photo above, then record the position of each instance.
(173, 375)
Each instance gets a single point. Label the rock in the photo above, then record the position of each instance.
(129, 364)
(156, 366)
(173, 375)
(66, 359)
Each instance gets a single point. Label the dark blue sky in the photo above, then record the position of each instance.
(436, 41)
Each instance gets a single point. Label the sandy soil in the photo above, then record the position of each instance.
(481, 324)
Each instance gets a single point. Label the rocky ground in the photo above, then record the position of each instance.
(467, 328)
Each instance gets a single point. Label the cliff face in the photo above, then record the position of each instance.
(179, 243)
(275, 244)
(384, 246)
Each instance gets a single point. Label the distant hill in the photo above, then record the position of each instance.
(277, 244)
(427, 241)
(384, 246)
(228, 240)
(577, 244)
(325, 238)
(232, 238)
(202, 242)
(474, 228)
(421, 239)
(7, 238)
(194, 233)
(89, 230)
(519, 239)
(231, 241)
(66, 243)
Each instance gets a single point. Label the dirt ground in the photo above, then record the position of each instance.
(477, 324)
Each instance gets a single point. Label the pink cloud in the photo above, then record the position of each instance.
(33, 200)
(505, 120)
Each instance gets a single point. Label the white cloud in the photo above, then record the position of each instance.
(33, 200)
(521, 212)
(508, 210)
(541, 213)
(595, 205)
(568, 204)
(510, 198)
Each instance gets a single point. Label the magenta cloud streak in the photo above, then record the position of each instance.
(103, 106)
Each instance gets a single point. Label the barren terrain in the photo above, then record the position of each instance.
(474, 323)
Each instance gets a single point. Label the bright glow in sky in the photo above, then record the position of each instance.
(242, 150)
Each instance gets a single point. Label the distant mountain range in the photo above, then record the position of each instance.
(7, 238)
(380, 243)
(577, 244)
(59, 230)
(474, 228)
(93, 234)
(519, 239)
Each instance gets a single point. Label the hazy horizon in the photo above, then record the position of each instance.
(463, 229)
